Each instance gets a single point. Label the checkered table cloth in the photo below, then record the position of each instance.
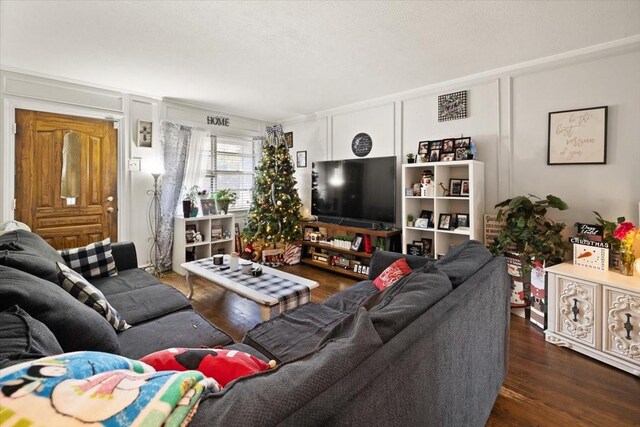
(289, 294)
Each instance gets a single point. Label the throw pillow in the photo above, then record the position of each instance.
(392, 273)
(222, 365)
(93, 260)
(24, 338)
(87, 294)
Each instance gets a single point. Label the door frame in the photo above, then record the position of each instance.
(8, 152)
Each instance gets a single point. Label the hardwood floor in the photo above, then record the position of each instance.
(546, 385)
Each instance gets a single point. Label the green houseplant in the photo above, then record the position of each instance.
(528, 232)
(223, 198)
(411, 158)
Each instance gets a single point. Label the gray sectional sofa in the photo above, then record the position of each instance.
(429, 350)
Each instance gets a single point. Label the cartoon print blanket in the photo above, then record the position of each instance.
(91, 388)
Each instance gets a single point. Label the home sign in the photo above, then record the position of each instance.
(218, 121)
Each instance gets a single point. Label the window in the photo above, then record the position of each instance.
(230, 163)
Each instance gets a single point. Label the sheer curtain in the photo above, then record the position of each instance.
(174, 139)
(199, 143)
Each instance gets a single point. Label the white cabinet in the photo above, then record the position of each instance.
(210, 245)
(596, 313)
(470, 171)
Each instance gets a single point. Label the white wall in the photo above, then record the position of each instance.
(507, 118)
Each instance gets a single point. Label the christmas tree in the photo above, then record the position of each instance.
(275, 208)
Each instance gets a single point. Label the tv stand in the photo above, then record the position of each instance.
(320, 253)
(348, 222)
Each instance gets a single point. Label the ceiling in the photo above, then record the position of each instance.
(280, 59)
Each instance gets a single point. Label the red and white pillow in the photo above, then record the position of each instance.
(392, 274)
(222, 365)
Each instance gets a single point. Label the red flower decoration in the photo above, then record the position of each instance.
(622, 229)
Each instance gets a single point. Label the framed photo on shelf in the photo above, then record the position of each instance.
(455, 187)
(427, 245)
(429, 216)
(447, 146)
(413, 249)
(464, 189)
(423, 147)
(216, 232)
(307, 233)
(462, 220)
(421, 223)
(434, 155)
(446, 157)
(444, 222)
(357, 242)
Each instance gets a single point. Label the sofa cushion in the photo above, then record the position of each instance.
(353, 297)
(222, 365)
(184, 328)
(75, 326)
(140, 305)
(402, 303)
(270, 397)
(392, 274)
(462, 261)
(24, 338)
(93, 260)
(127, 280)
(30, 253)
(383, 259)
(295, 332)
(72, 282)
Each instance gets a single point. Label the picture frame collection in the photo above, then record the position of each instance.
(458, 187)
(445, 150)
(448, 221)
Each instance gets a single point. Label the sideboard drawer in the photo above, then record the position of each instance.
(622, 328)
(577, 308)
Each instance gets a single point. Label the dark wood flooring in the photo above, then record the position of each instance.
(546, 385)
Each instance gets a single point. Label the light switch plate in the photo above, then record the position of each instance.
(135, 164)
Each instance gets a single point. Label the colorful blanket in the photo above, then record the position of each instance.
(85, 388)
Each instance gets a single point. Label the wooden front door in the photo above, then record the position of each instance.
(66, 177)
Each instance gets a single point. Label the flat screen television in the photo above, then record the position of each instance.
(356, 189)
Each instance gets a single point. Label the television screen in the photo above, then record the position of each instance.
(361, 189)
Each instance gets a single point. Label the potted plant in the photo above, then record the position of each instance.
(223, 199)
(410, 219)
(608, 229)
(528, 232)
(411, 158)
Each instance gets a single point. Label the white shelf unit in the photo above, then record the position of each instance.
(473, 205)
(205, 249)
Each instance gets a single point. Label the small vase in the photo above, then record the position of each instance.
(627, 261)
(186, 208)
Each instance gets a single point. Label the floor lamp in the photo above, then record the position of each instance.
(154, 223)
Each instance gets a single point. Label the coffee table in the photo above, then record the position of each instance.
(274, 291)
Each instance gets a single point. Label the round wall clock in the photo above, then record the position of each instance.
(361, 144)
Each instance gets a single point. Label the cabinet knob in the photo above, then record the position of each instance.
(575, 310)
(628, 326)
(110, 209)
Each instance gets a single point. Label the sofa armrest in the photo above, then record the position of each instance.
(383, 259)
(124, 254)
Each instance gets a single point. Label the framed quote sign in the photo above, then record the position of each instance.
(578, 137)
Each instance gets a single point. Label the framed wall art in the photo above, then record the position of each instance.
(452, 106)
(144, 134)
(288, 139)
(578, 137)
(301, 159)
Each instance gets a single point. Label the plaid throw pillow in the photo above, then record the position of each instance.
(87, 294)
(94, 260)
